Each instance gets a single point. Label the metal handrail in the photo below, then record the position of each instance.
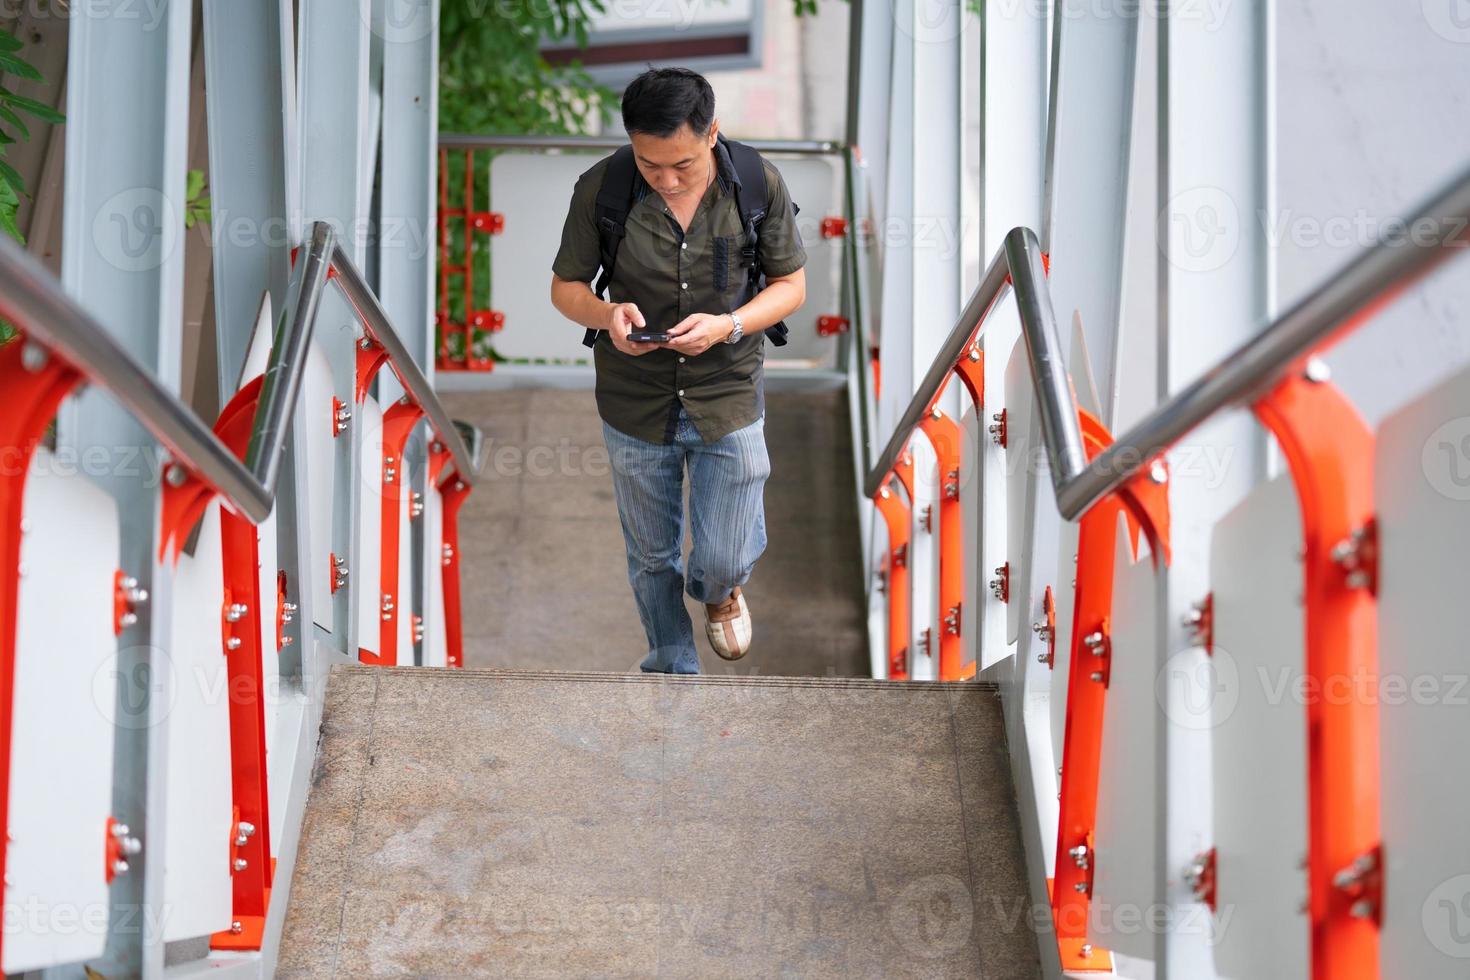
(472, 141)
(375, 321)
(1245, 375)
(46, 315)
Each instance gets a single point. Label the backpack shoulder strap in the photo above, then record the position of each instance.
(753, 197)
(614, 200)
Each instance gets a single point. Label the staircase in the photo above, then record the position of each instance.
(598, 824)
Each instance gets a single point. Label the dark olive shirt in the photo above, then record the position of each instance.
(671, 273)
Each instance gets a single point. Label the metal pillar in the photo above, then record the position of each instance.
(122, 258)
(1215, 94)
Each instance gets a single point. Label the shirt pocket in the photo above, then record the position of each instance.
(726, 264)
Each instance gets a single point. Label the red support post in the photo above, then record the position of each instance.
(398, 423)
(34, 382)
(1330, 450)
(945, 435)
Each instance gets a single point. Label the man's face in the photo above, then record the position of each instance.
(676, 165)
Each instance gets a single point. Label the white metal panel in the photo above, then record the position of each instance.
(64, 702)
(403, 598)
(1020, 478)
(1127, 822)
(368, 571)
(196, 881)
(520, 257)
(1423, 484)
(319, 458)
(1254, 706)
(270, 666)
(923, 561)
(1064, 594)
(436, 651)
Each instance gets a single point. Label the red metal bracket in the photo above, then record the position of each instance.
(834, 227)
(336, 572)
(1000, 586)
(341, 415)
(1201, 879)
(997, 428)
(371, 356)
(1144, 499)
(489, 222)
(1330, 450)
(398, 423)
(945, 434)
(1199, 623)
(896, 516)
(971, 369)
(491, 320)
(828, 326)
(1046, 630)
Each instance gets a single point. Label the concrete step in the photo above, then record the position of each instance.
(545, 824)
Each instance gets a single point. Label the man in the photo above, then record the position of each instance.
(695, 400)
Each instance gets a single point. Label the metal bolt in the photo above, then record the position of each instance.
(33, 357)
(1086, 950)
(131, 845)
(128, 619)
(1081, 886)
(1317, 371)
(366, 343)
(119, 867)
(236, 612)
(236, 928)
(175, 475)
(1043, 657)
(241, 864)
(1096, 675)
(119, 830)
(1362, 909)
(247, 828)
(1158, 472)
(287, 640)
(137, 596)
(974, 353)
(936, 414)
(233, 643)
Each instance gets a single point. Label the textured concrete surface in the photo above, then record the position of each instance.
(562, 824)
(544, 571)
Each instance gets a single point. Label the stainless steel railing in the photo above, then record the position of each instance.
(32, 299)
(1439, 229)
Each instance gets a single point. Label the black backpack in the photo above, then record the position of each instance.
(615, 198)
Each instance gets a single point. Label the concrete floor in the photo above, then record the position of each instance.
(544, 572)
(546, 824)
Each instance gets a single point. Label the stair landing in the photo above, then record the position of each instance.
(534, 823)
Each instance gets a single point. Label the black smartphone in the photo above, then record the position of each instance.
(648, 336)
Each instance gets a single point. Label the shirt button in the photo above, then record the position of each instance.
(681, 392)
(683, 285)
(681, 360)
(683, 244)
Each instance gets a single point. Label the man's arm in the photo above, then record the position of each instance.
(576, 301)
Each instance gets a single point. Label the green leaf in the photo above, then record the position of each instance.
(40, 110)
(9, 42)
(12, 65)
(7, 116)
(9, 205)
(10, 176)
(193, 184)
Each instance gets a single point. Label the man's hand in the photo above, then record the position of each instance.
(625, 317)
(698, 332)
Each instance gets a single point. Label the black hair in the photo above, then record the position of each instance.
(661, 100)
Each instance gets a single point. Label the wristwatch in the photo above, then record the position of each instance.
(739, 330)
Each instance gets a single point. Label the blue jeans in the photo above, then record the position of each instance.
(726, 481)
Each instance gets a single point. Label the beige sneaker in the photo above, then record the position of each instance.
(727, 624)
